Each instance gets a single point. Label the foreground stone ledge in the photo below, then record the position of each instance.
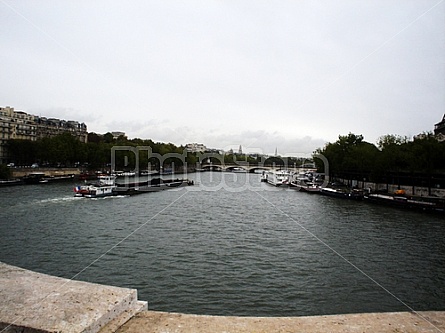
(34, 302)
(163, 322)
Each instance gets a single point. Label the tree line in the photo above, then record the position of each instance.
(395, 159)
(66, 151)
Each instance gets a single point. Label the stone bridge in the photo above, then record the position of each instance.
(251, 168)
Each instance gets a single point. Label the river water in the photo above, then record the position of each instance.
(231, 245)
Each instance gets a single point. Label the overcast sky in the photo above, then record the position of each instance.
(290, 75)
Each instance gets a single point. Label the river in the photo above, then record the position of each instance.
(231, 245)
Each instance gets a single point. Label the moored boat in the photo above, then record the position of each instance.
(278, 177)
(429, 204)
(125, 174)
(11, 182)
(305, 186)
(35, 178)
(342, 191)
(305, 182)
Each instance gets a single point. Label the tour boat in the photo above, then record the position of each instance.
(278, 177)
(104, 186)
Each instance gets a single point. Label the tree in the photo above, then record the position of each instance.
(95, 138)
(350, 156)
(391, 139)
(108, 138)
(5, 172)
(22, 152)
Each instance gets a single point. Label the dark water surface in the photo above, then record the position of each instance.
(231, 246)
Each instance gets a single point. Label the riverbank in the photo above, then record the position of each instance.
(34, 302)
(49, 172)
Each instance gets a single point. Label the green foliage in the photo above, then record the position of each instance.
(5, 172)
(350, 155)
(22, 152)
(274, 161)
(66, 150)
(390, 140)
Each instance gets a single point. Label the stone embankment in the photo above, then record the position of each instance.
(32, 302)
(50, 172)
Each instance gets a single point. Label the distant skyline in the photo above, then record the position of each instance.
(286, 75)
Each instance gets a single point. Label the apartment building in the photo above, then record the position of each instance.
(16, 124)
(195, 147)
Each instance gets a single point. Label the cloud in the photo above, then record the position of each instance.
(289, 76)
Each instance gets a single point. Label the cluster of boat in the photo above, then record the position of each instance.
(106, 185)
(39, 178)
(311, 182)
(303, 181)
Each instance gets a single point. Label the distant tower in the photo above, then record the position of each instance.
(276, 151)
(240, 150)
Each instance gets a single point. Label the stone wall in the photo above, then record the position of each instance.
(52, 172)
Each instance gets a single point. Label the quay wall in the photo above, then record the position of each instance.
(52, 172)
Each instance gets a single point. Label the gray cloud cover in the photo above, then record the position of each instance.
(261, 74)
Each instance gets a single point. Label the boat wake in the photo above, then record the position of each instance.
(107, 197)
(57, 200)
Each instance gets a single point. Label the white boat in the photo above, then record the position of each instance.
(305, 182)
(148, 172)
(104, 187)
(278, 177)
(125, 174)
(305, 186)
(239, 170)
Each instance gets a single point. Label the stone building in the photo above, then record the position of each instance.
(50, 127)
(439, 128)
(16, 124)
(195, 147)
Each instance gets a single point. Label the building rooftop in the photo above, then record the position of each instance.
(440, 126)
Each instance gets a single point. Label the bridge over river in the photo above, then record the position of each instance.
(251, 168)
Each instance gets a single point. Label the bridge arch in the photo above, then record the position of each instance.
(212, 167)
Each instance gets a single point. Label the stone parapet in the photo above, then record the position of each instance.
(33, 302)
(400, 322)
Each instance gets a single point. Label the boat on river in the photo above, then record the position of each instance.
(305, 182)
(10, 182)
(342, 191)
(154, 185)
(278, 177)
(103, 187)
(107, 186)
(305, 186)
(422, 203)
(35, 178)
(42, 178)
